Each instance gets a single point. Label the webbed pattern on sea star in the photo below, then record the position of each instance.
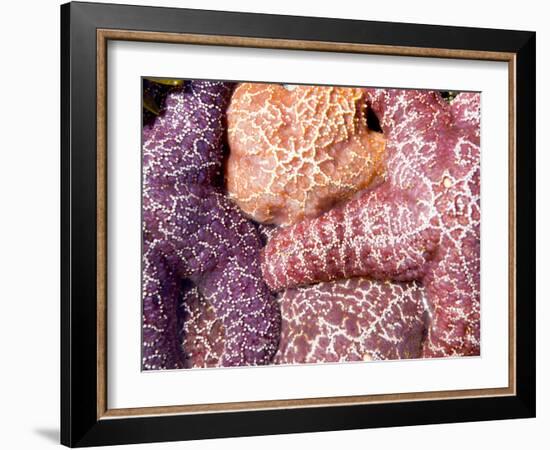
(351, 320)
(192, 231)
(422, 223)
(202, 332)
(298, 150)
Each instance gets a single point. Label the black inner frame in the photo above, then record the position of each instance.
(79, 423)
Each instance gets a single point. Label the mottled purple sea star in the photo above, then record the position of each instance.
(193, 234)
(354, 319)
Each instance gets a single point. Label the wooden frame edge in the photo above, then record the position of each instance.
(213, 408)
(101, 225)
(289, 44)
(103, 35)
(512, 268)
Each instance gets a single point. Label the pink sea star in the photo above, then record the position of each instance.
(353, 319)
(422, 223)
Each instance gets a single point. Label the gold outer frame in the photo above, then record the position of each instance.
(103, 36)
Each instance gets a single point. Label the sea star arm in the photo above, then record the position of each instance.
(453, 290)
(226, 250)
(378, 234)
(203, 333)
(161, 347)
(249, 313)
(185, 143)
(404, 112)
(466, 109)
(351, 320)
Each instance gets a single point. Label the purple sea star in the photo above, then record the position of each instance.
(354, 319)
(191, 231)
(422, 223)
(203, 333)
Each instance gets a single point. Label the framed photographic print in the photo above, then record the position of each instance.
(277, 224)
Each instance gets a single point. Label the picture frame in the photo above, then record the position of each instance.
(86, 418)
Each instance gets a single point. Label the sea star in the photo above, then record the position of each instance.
(295, 151)
(422, 223)
(355, 319)
(192, 231)
(202, 332)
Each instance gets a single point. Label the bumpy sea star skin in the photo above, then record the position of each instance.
(422, 223)
(298, 150)
(199, 234)
(466, 111)
(185, 145)
(351, 320)
(203, 334)
(160, 338)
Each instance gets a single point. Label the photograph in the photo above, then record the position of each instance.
(277, 224)
(307, 224)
